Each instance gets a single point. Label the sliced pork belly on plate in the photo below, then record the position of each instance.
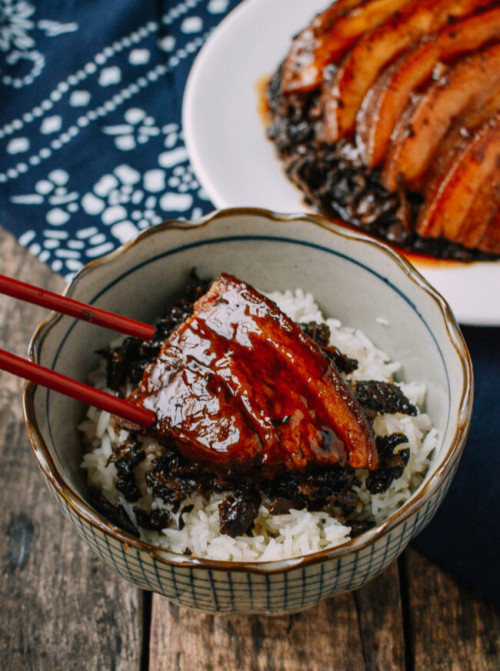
(328, 37)
(391, 93)
(467, 85)
(343, 95)
(471, 181)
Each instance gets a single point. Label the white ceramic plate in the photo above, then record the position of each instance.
(237, 165)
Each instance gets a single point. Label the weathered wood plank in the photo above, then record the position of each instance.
(380, 614)
(450, 627)
(60, 607)
(358, 631)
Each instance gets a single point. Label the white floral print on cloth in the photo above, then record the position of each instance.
(91, 145)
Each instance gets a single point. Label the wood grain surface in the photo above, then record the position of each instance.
(62, 608)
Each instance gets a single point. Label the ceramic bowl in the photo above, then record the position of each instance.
(352, 277)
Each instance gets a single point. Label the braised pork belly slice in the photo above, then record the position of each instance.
(328, 37)
(467, 85)
(344, 93)
(240, 389)
(454, 142)
(469, 187)
(388, 97)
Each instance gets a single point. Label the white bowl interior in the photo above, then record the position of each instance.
(351, 278)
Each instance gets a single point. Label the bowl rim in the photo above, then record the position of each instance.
(85, 511)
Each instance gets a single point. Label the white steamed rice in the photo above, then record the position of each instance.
(274, 537)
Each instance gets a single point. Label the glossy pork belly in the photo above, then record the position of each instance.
(240, 389)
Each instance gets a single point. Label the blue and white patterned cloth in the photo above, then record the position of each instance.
(91, 153)
(91, 147)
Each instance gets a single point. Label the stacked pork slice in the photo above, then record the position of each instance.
(387, 114)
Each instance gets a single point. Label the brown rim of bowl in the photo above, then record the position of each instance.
(423, 494)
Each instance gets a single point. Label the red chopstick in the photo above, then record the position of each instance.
(77, 390)
(69, 306)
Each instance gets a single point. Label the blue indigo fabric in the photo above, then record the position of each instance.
(92, 152)
(91, 146)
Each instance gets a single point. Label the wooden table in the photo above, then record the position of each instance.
(62, 608)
